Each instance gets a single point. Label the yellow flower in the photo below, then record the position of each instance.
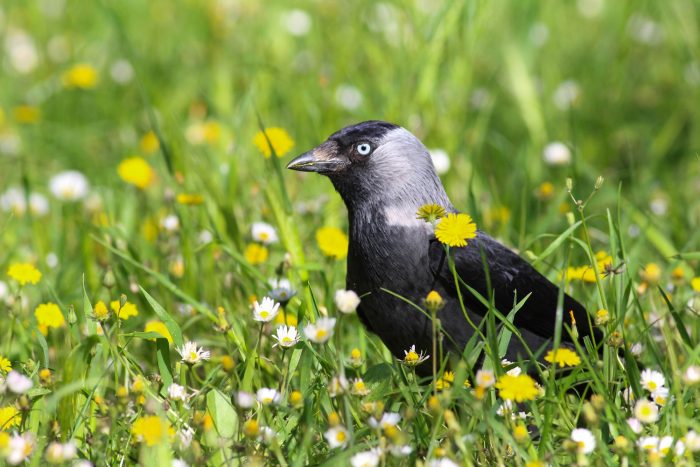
(255, 254)
(332, 242)
(251, 428)
(24, 273)
(517, 388)
(27, 114)
(191, 199)
(227, 362)
(563, 357)
(149, 143)
(281, 142)
(433, 301)
(695, 284)
(159, 328)
(545, 191)
(136, 171)
(446, 381)
(150, 429)
(48, 315)
(125, 312)
(9, 417)
(651, 273)
(100, 311)
(5, 365)
(455, 229)
(81, 76)
(286, 318)
(520, 433)
(430, 213)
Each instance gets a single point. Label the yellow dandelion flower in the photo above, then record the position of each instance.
(695, 284)
(446, 381)
(9, 417)
(139, 385)
(651, 273)
(27, 114)
(136, 171)
(191, 199)
(255, 254)
(125, 312)
(159, 328)
(280, 140)
(5, 364)
(517, 388)
(455, 229)
(563, 357)
(333, 242)
(100, 311)
(251, 428)
(45, 376)
(150, 429)
(430, 213)
(433, 301)
(149, 143)
(48, 315)
(227, 363)
(520, 433)
(545, 191)
(24, 273)
(81, 76)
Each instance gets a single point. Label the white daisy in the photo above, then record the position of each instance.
(177, 392)
(646, 411)
(485, 378)
(320, 331)
(336, 436)
(365, 459)
(388, 420)
(346, 301)
(692, 375)
(584, 439)
(515, 371)
(556, 153)
(660, 396)
(17, 382)
(19, 448)
(692, 441)
(268, 396)
(337, 385)
(635, 425)
(652, 380)
(665, 445)
(70, 185)
(192, 354)
(287, 336)
(265, 311)
(648, 443)
(244, 400)
(264, 233)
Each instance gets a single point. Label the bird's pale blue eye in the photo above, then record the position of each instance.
(364, 149)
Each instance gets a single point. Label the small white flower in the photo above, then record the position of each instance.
(268, 396)
(121, 71)
(566, 94)
(648, 443)
(337, 385)
(205, 237)
(635, 425)
(584, 439)
(70, 185)
(287, 336)
(628, 395)
(637, 349)
(413, 358)
(38, 205)
(264, 233)
(590, 8)
(336, 436)
(442, 462)
(358, 387)
(51, 260)
(179, 463)
(665, 445)
(57, 453)
(320, 331)
(388, 420)
(692, 441)
(267, 434)
(402, 450)
(347, 301)
(192, 354)
(539, 34)
(556, 153)
(515, 371)
(679, 448)
(365, 459)
(660, 396)
(186, 435)
(170, 223)
(19, 448)
(21, 51)
(4, 290)
(441, 160)
(505, 408)
(265, 311)
(652, 380)
(13, 201)
(646, 411)
(18, 383)
(177, 392)
(348, 97)
(297, 22)
(245, 400)
(691, 375)
(485, 378)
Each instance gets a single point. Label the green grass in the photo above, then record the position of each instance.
(469, 77)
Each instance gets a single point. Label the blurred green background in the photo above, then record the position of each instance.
(490, 83)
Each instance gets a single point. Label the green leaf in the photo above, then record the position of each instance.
(556, 243)
(164, 316)
(222, 412)
(163, 358)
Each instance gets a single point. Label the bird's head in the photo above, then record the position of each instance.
(374, 161)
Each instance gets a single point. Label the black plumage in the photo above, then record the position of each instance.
(385, 174)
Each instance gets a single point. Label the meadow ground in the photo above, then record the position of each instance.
(179, 219)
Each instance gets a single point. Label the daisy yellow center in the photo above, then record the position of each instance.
(340, 436)
(286, 339)
(192, 355)
(264, 314)
(264, 236)
(321, 333)
(411, 357)
(652, 385)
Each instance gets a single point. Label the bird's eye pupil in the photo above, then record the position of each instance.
(364, 149)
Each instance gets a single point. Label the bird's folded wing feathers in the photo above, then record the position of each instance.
(509, 275)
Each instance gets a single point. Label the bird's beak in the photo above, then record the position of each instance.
(322, 159)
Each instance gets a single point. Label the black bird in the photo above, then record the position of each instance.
(385, 174)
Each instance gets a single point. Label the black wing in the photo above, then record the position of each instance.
(509, 274)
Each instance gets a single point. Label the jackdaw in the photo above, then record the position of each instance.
(384, 175)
